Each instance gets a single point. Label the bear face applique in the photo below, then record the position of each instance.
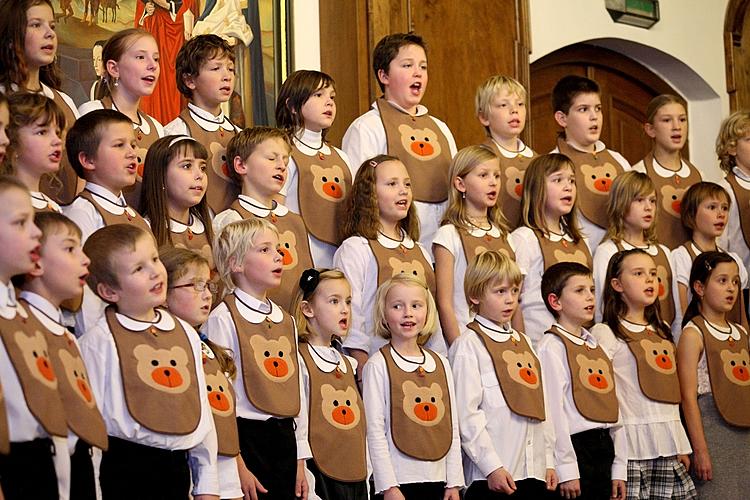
(165, 370)
(75, 373)
(662, 278)
(219, 396)
(413, 267)
(514, 184)
(598, 179)
(36, 356)
(522, 368)
(423, 405)
(594, 374)
(659, 355)
(422, 143)
(328, 183)
(274, 357)
(577, 256)
(340, 408)
(140, 154)
(288, 250)
(204, 250)
(671, 199)
(736, 365)
(219, 164)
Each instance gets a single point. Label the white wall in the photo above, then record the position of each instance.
(306, 34)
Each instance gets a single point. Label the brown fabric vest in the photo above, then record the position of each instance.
(295, 249)
(110, 218)
(742, 196)
(81, 411)
(159, 376)
(421, 146)
(592, 379)
(421, 424)
(28, 350)
(657, 364)
(222, 190)
(337, 428)
(142, 143)
(563, 251)
(474, 245)
(518, 371)
(728, 365)
(392, 261)
(669, 193)
(62, 186)
(222, 400)
(196, 242)
(512, 171)
(4, 432)
(594, 175)
(323, 182)
(269, 362)
(664, 276)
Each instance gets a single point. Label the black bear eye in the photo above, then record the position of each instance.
(593, 177)
(336, 179)
(208, 387)
(601, 372)
(674, 197)
(324, 179)
(34, 353)
(426, 139)
(281, 354)
(173, 362)
(413, 138)
(530, 365)
(607, 175)
(518, 180)
(224, 157)
(154, 362)
(414, 273)
(348, 403)
(666, 352)
(432, 399)
(287, 245)
(520, 365)
(266, 354)
(732, 363)
(591, 371)
(75, 373)
(418, 400)
(335, 402)
(655, 352)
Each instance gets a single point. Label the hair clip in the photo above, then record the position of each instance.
(308, 282)
(180, 138)
(708, 266)
(372, 163)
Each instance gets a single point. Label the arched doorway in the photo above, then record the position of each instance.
(737, 52)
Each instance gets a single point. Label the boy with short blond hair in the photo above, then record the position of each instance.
(206, 76)
(501, 109)
(577, 107)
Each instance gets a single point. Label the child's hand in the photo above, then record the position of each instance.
(451, 494)
(501, 480)
(300, 487)
(684, 460)
(702, 465)
(570, 489)
(618, 489)
(393, 493)
(551, 479)
(248, 482)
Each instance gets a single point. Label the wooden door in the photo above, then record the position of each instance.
(626, 89)
(737, 52)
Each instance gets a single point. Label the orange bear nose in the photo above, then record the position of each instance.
(218, 401)
(225, 169)
(333, 190)
(139, 170)
(518, 189)
(603, 185)
(343, 415)
(425, 411)
(741, 373)
(286, 257)
(661, 290)
(422, 148)
(167, 377)
(45, 368)
(276, 367)
(664, 362)
(598, 381)
(529, 376)
(676, 206)
(83, 388)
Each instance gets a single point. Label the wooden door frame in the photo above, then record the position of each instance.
(733, 23)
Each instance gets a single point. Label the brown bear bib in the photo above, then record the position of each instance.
(294, 248)
(81, 411)
(669, 193)
(26, 344)
(222, 400)
(474, 245)
(142, 143)
(222, 190)
(392, 261)
(656, 363)
(421, 424)
(337, 428)
(742, 196)
(128, 216)
(323, 181)
(198, 242)
(729, 372)
(158, 376)
(61, 186)
(594, 173)
(518, 372)
(512, 172)
(592, 380)
(4, 432)
(269, 362)
(420, 145)
(563, 251)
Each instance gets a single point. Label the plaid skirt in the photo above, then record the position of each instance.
(662, 478)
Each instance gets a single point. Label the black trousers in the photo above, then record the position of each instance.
(331, 489)
(29, 471)
(421, 491)
(82, 481)
(130, 470)
(526, 489)
(595, 452)
(269, 449)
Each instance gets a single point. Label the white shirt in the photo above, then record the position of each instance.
(492, 435)
(653, 429)
(732, 238)
(564, 414)
(390, 466)
(220, 328)
(536, 318)
(322, 252)
(144, 126)
(355, 259)
(205, 120)
(593, 232)
(365, 138)
(99, 352)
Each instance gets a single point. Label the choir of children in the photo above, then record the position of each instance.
(320, 367)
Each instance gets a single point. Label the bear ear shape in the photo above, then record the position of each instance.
(257, 342)
(394, 263)
(646, 344)
(409, 387)
(327, 391)
(284, 344)
(179, 354)
(436, 390)
(509, 357)
(351, 392)
(405, 129)
(582, 360)
(725, 355)
(317, 170)
(142, 351)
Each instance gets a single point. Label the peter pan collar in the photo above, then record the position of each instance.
(598, 147)
(310, 138)
(390, 243)
(43, 310)
(208, 121)
(634, 327)
(497, 333)
(479, 232)
(683, 172)
(196, 226)
(585, 338)
(250, 308)
(652, 250)
(328, 353)
(257, 209)
(164, 322)
(145, 124)
(116, 205)
(421, 109)
(562, 235)
(40, 201)
(429, 364)
(9, 306)
(522, 150)
(742, 178)
(734, 334)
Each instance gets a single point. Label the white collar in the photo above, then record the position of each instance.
(250, 308)
(743, 179)
(328, 353)
(145, 125)
(257, 209)
(562, 235)
(116, 205)
(209, 122)
(598, 147)
(390, 243)
(585, 338)
(310, 138)
(683, 172)
(652, 250)
(429, 364)
(720, 335)
(479, 232)
(47, 314)
(496, 333)
(698, 251)
(9, 306)
(40, 201)
(521, 150)
(421, 110)
(196, 226)
(164, 322)
(634, 327)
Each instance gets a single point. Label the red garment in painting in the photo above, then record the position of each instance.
(168, 28)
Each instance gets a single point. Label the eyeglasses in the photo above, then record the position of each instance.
(199, 286)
